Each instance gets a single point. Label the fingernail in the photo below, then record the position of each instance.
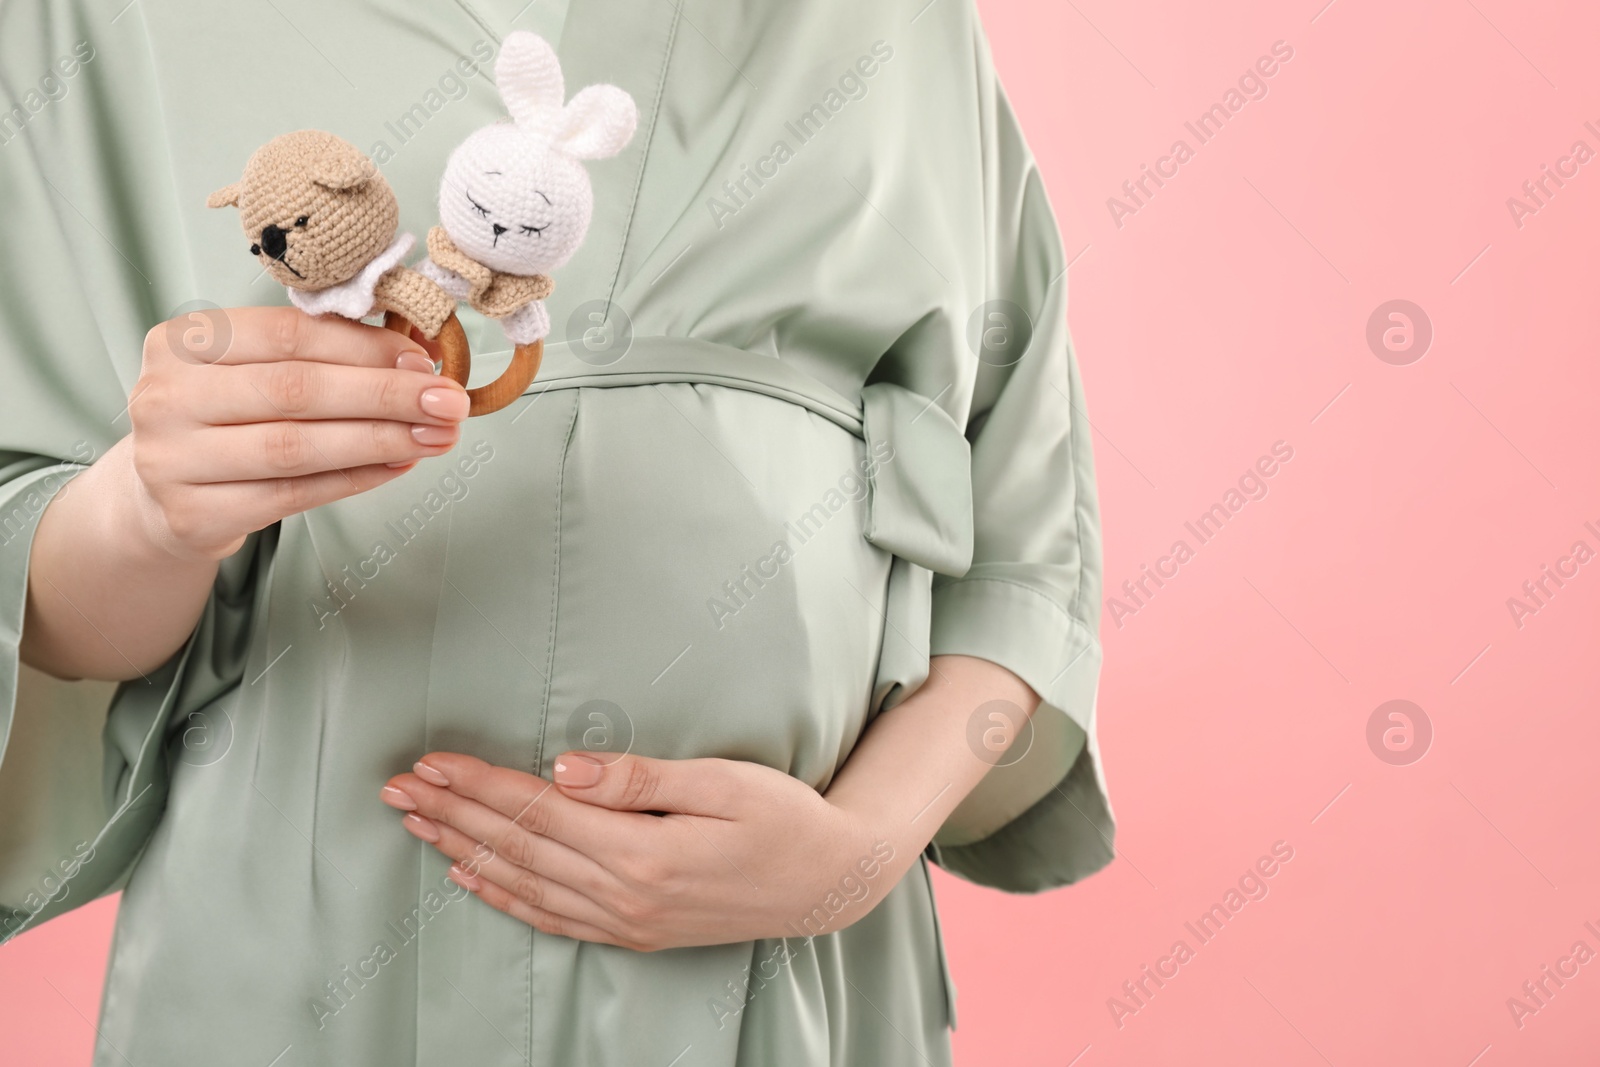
(576, 769)
(429, 774)
(402, 463)
(461, 878)
(417, 826)
(414, 361)
(397, 798)
(446, 403)
(433, 435)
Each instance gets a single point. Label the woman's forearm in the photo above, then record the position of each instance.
(298, 412)
(579, 861)
(914, 764)
(104, 600)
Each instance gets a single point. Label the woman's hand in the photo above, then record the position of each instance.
(240, 418)
(740, 851)
(289, 412)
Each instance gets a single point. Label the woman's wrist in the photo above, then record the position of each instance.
(915, 765)
(107, 598)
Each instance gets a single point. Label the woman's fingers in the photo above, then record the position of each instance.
(434, 348)
(507, 839)
(213, 513)
(540, 808)
(542, 882)
(299, 389)
(538, 888)
(546, 922)
(245, 416)
(265, 450)
(709, 787)
(274, 334)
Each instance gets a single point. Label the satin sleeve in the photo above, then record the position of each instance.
(87, 266)
(1041, 817)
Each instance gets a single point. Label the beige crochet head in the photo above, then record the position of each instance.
(314, 209)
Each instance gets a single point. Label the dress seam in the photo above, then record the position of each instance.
(427, 733)
(550, 662)
(644, 154)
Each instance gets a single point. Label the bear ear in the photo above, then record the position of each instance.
(340, 165)
(528, 75)
(227, 196)
(598, 123)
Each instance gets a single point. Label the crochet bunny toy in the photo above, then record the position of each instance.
(515, 201)
(323, 221)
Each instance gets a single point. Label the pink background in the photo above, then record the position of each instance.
(1228, 313)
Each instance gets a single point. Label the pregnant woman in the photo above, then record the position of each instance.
(619, 726)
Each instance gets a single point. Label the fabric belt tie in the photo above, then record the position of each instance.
(919, 505)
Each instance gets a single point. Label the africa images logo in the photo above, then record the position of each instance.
(50, 88)
(1251, 85)
(739, 191)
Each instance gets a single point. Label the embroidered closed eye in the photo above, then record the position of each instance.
(482, 211)
(536, 230)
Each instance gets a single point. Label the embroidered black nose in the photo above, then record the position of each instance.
(274, 242)
(499, 229)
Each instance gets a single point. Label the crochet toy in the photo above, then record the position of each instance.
(323, 221)
(515, 202)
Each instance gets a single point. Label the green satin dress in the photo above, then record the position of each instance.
(809, 415)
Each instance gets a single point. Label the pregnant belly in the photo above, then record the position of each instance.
(675, 570)
(715, 594)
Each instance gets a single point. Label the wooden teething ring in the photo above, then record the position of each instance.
(457, 364)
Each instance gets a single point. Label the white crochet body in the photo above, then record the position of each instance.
(354, 299)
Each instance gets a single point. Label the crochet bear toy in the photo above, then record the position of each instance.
(322, 220)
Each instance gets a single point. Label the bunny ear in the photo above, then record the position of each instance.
(529, 77)
(598, 123)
